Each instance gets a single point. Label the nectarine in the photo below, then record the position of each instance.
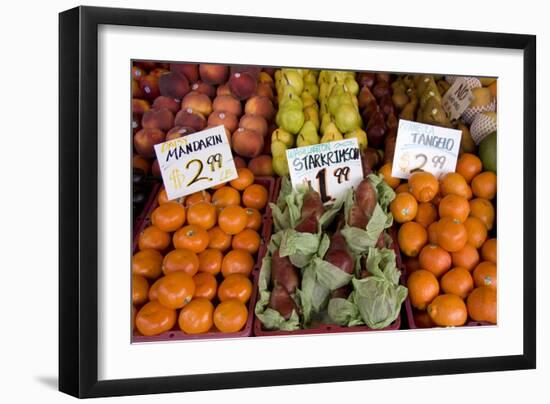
(145, 139)
(226, 119)
(213, 74)
(160, 118)
(174, 85)
(193, 119)
(197, 102)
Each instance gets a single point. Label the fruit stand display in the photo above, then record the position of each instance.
(260, 255)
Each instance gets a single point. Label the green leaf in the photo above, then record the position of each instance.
(281, 218)
(324, 244)
(313, 295)
(274, 242)
(360, 240)
(378, 300)
(286, 188)
(379, 297)
(265, 274)
(299, 247)
(330, 275)
(381, 263)
(385, 193)
(344, 312)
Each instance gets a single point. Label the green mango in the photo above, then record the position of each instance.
(488, 152)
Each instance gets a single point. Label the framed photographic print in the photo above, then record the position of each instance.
(302, 200)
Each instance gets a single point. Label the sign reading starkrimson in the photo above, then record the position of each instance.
(329, 168)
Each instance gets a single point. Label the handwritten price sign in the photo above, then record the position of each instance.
(457, 98)
(329, 168)
(421, 147)
(195, 162)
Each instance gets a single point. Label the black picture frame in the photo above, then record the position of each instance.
(78, 196)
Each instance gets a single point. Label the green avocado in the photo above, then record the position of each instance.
(488, 152)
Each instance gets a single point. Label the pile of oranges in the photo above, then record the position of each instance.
(444, 234)
(195, 260)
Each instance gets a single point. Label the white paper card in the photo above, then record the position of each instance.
(195, 162)
(425, 147)
(330, 168)
(457, 98)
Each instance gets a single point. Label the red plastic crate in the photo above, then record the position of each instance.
(331, 328)
(151, 199)
(176, 334)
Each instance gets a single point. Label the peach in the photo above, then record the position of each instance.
(139, 106)
(145, 139)
(223, 90)
(197, 102)
(204, 88)
(227, 103)
(213, 74)
(239, 162)
(155, 168)
(150, 86)
(265, 78)
(158, 72)
(189, 70)
(261, 106)
(137, 73)
(247, 143)
(172, 104)
(192, 119)
(265, 90)
(242, 85)
(160, 118)
(145, 65)
(141, 163)
(254, 122)
(261, 165)
(136, 89)
(174, 85)
(253, 71)
(269, 70)
(136, 123)
(226, 119)
(178, 131)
